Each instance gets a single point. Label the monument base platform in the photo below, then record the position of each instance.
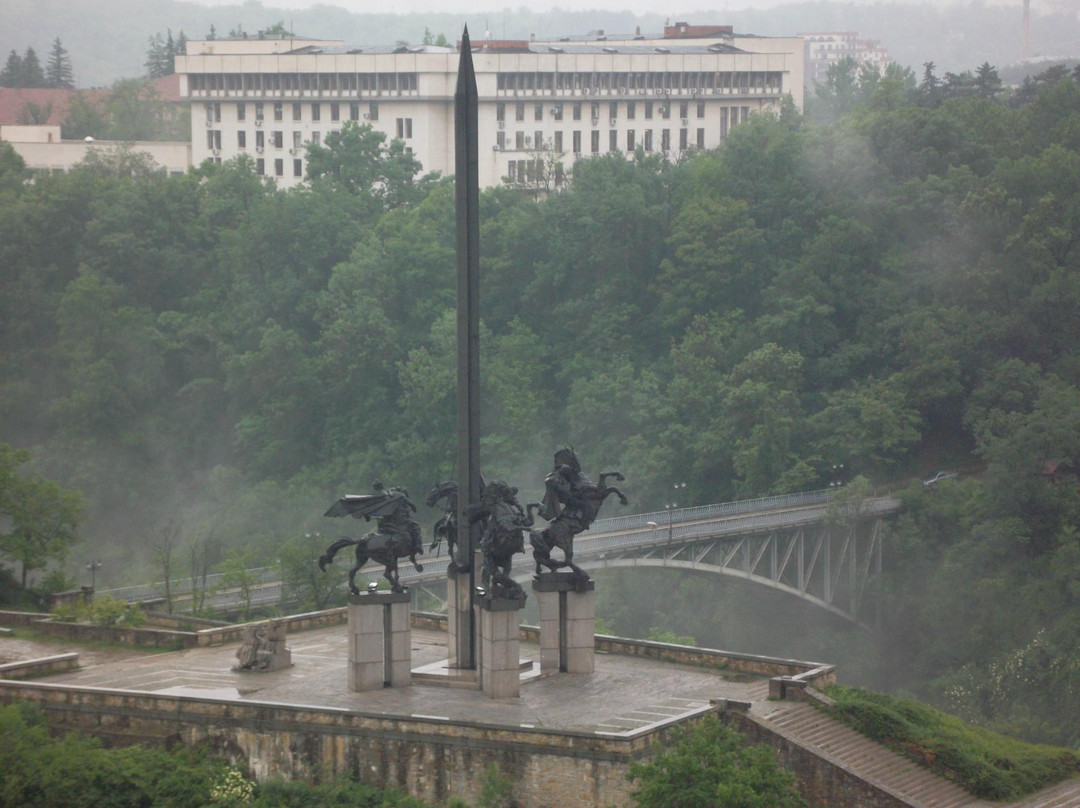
(567, 604)
(380, 640)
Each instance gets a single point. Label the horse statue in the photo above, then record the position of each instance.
(397, 535)
(503, 538)
(570, 505)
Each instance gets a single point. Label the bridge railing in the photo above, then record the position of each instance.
(640, 520)
(593, 541)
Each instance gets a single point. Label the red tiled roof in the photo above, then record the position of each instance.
(13, 102)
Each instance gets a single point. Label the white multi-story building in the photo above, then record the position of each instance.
(542, 105)
(827, 48)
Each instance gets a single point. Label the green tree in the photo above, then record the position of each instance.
(709, 765)
(30, 72)
(58, 71)
(42, 517)
(10, 75)
(358, 159)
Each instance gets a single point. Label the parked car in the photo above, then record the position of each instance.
(938, 476)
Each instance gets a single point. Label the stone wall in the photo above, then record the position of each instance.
(823, 783)
(429, 758)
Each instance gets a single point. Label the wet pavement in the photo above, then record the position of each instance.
(623, 695)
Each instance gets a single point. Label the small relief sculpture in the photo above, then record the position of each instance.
(263, 647)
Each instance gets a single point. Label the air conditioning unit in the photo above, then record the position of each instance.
(292, 151)
(496, 147)
(367, 115)
(595, 121)
(215, 152)
(642, 91)
(502, 124)
(685, 121)
(209, 123)
(614, 121)
(258, 121)
(259, 149)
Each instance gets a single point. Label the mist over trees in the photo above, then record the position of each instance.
(889, 282)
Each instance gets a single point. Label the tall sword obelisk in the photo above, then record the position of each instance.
(467, 184)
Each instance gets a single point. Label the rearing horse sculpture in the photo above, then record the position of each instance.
(397, 535)
(570, 505)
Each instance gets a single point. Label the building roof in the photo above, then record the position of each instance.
(14, 101)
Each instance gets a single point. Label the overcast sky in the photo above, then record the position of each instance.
(637, 6)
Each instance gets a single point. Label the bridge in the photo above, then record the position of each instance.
(801, 544)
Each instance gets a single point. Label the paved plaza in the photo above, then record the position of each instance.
(623, 695)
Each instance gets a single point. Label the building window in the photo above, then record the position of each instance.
(701, 109)
(631, 110)
(556, 112)
(519, 112)
(648, 110)
(316, 112)
(278, 111)
(519, 140)
(595, 141)
(723, 122)
(684, 139)
(648, 140)
(373, 111)
(613, 109)
(538, 140)
(241, 111)
(558, 141)
(296, 140)
(594, 111)
(278, 138)
(665, 140)
(241, 139)
(630, 140)
(538, 112)
(298, 168)
(279, 167)
(577, 112)
(258, 110)
(213, 138)
(500, 140)
(259, 139)
(577, 141)
(701, 138)
(315, 138)
(354, 111)
(404, 128)
(684, 110)
(260, 166)
(335, 111)
(665, 110)
(613, 140)
(296, 111)
(500, 112)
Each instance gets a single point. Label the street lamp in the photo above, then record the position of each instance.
(670, 507)
(93, 566)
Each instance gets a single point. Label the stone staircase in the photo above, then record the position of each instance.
(909, 782)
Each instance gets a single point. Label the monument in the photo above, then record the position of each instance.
(567, 599)
(380, 630)
(484, 525)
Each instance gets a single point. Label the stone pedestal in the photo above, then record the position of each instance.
(500, 664)
(458, 601)
(380, 641)
(567, 622)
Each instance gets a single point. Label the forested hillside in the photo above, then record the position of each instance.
(892, 285)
